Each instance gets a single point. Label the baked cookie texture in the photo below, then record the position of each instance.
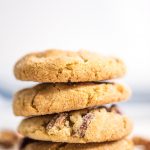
(117, 145)
(83, 126)
(50, 98)
(68, 66)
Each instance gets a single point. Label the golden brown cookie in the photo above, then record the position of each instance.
(53, 98)
(68, 66)
(117, 145)
(83, 126)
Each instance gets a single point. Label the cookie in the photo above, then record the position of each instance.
(83, 126)
(67, 66)
(117, 145)
(54, 98)
(8, 139)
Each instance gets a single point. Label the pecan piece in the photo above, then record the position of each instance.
(82, 129)
(57, 120)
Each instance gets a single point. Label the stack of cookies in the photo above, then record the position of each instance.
(66, 110)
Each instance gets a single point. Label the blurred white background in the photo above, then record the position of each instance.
(115, 27)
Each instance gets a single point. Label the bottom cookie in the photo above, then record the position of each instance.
(41, 145)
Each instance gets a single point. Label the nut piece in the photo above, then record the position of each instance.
(58, 120)
(58, 124)
(82, 129)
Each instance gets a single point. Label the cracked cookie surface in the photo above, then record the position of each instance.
(118, 145)
(100, 124)
(67, 66)
(54, 98)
